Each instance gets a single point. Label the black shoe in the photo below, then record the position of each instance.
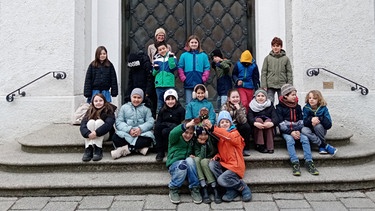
(205, 197)
(87, 155)
(160, 156)
(217, 197)
(98, 153)
(261, 149)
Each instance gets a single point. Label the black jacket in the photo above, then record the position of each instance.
(100, 78)
(140, 74)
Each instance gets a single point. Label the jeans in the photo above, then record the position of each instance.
(188, 95)
(290, 142)
(271, 94)
(182, 168)
(317, 136)
(160, 95)
(226, 179)
(221, 100)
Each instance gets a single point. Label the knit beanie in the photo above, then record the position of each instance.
(246, 57)
(216, 52)
(137, 91)
(159, 31)
(170, 92)
(199, 130)
(286, 89)
(224, 115)
(260, 91)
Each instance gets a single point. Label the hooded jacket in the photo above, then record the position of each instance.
(276, 70)
(321, 112)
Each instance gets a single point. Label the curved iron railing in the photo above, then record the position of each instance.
(315, 71)
(56, 74)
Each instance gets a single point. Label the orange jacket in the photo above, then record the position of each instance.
(230, 147)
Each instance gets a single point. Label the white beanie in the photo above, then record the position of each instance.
(159, 31)
(170, 92)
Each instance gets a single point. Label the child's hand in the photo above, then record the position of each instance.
(268, 125)
(192, 156)
(239, 83)
(237, 106)
(92, 135)
(191, 123)
(296, 135)
(207, 124)
(259, 125)
(315, 121)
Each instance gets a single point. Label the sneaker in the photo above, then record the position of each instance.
(296, 169)
(311, 168)
(322, 150)
(230, 195)
(246, 194)
(143, 151)
(246, 152)
(196, 195)
(331, 150)
(98, 153)
(88, 154)
(173, 195)
(160, 156)
(120, 151)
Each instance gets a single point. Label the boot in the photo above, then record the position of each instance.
(87, 155)
(217, 198)
(205, 196)
(120, 152)
(143, 151)
(98, 153)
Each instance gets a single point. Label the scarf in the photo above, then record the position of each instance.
(287, 103)
(257, 107)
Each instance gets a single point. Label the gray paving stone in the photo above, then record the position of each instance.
(371, 195)
(328, 206)
(234, 205)
(60, 206)
(127, 205)
(192, 206)
(298, 209)
(292, 204)
(30, 203)
(361, 209)
(130, 198)
(96, 202)
(288, 196)
(67, 198)
(8, 198)
(349, 194)
(320, 197)
(358, 202)
(159, 202)
(262, 197)
(5, 205)
(261, 205)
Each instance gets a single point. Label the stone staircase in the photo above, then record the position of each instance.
(48, 163)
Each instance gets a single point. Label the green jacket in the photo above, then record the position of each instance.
(276, 71)
(178, 148)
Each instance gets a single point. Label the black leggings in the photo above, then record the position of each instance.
(139, 144)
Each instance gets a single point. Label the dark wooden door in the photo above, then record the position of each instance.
(224, 24)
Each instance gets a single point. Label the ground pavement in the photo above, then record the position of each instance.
(320, 201)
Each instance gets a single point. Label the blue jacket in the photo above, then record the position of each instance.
(131, 117)
(193, 68)
(193, 108)
(321, 112)
(249, 75)
(164, 77)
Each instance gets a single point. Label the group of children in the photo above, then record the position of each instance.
(206, 150)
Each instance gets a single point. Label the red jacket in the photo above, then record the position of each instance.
(230, 147)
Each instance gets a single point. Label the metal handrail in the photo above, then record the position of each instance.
(56, 74)
(315, 71)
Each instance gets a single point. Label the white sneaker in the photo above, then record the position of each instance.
(120, 152)
(143, 151)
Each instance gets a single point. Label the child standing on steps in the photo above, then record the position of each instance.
(228, 164)
(205, 147)
(180, 163)
(97, 126)
(317, 121)
(170, 115)
(262, 115)
(134, 125)
(291, 123)
(238, 113)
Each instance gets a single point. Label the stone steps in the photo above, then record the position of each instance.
(48, 162)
